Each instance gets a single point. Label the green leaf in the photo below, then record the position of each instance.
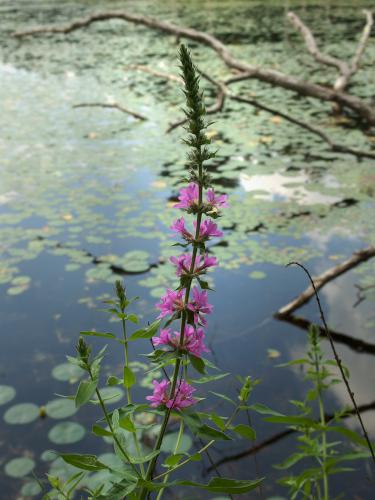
(146, 333)
(245, 431)
(99, 334)
(112, 380)
(211, 433)
(197, 363)
(219, 421)
(173, 460)
(99, 431)
(265, 410)
(129, 377)
(133, 318)
(216, 485)
(292, 420)
(84, 462)
(126, 423)
(85, 391)
(209, 378)
(223, 396)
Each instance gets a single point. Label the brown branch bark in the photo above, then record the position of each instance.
(324, 278)
(281, 435)
(111, 105)
(273, 77)
(346, 70)
(312, 46)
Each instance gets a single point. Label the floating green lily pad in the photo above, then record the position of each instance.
(7, 393)
(60, 408)
(66, 433)
(19, 467)
(66, 372)
(257, 275)
(30, 489)
(23, 413)
(110, 395)
(169, 443)
(48, 455)
(16, 290)
(136, 260)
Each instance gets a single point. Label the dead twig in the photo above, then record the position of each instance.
(113, 106)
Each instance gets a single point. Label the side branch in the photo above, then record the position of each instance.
(273, 77)
(111, 105)
(326, 277)
(312, 46)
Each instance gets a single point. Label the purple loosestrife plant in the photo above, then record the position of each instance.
(178, 347)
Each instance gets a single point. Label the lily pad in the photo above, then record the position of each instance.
(66, 433)
(16, 290)
(23, 413)
(19, 467)
(60, 408)
(257, 275)
(111, 395)
(7, 393)
(66, 372)
(136, 260)
(30, 489)
(48, 455)
(169, 443)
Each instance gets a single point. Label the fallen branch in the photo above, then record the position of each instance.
(324, 278)
(273, 77)
(113, 105)
(281, 435)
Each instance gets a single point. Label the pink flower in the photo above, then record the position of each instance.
(183, 396)
(216, 201)
(199, 305)
(193, 342)
(208, 229)
(179, 227)
(188, 196)
(171, 302)
(202, 263)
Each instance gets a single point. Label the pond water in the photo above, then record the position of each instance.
(83, 190)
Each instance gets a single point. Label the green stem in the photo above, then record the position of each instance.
(108, 420)
(128, 393)
(177, 445)
(204, 448)
(324, 434)
(151, 466)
